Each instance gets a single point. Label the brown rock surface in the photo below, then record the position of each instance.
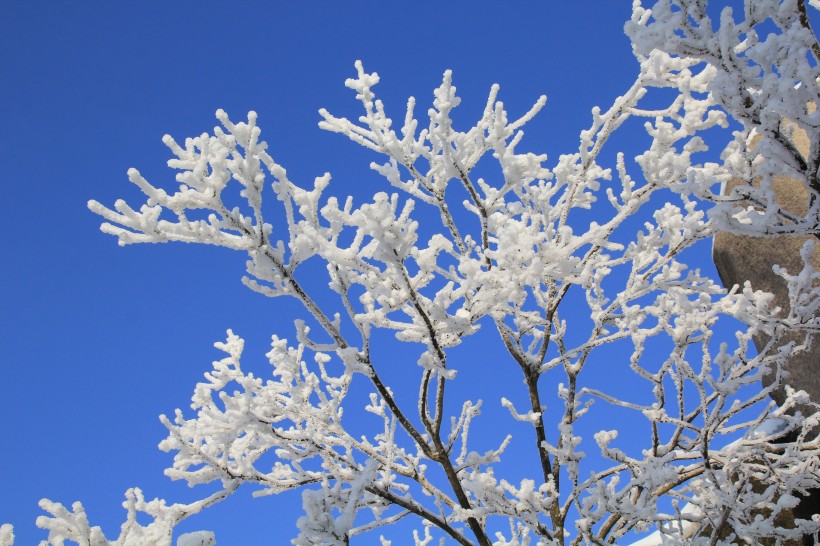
(741, 258)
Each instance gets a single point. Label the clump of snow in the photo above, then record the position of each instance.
(6, 534)
(197, 538)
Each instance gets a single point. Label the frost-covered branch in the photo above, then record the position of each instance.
(568, 296)
(762, 70)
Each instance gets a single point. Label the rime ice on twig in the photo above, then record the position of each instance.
(509, 262)
(762, 67)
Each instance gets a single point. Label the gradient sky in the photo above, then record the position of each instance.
(97, 340)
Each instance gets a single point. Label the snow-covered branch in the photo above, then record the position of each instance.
(567, 296)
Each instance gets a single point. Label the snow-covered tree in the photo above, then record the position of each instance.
(514, 254)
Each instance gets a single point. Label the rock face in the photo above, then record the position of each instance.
(740, 258)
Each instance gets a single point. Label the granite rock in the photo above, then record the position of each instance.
(741, 258)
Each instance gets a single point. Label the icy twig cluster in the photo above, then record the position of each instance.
(764, 70)
(505, 258)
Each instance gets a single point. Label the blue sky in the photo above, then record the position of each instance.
(97, 340)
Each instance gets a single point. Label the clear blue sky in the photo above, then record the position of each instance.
(97, 340)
